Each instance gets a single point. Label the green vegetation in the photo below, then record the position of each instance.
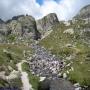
(57, 40)
(34, 80)
(16, 83)
(81, 66)
(12, 83)
(81, 73)
(65, 45)
(11, 38)
(10, 55)
(3, 83)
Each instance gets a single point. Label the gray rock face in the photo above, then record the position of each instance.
(19, 26)
(23, 26)
(2, 27)
(82, 22)
(84, 13)
(47, 22)
(56, 84)
(3, 30)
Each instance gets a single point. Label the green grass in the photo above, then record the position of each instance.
(81, 73)
(81, 65)
(10, 55)
(13, 55)
(34, 80)
(3, 83)
(57, 42)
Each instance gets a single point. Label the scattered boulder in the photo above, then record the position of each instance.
(69, 31)
(64, 75)
(42, 78)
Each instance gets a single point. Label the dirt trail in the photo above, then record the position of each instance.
(24, 77)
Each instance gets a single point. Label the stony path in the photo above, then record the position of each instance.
(43, 63)
(24, 78)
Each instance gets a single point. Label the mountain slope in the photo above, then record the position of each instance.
(72, 45)
(66, 51)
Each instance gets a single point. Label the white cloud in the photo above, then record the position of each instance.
(65, 9)
(9, 8)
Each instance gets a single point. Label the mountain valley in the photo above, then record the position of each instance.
(45, 54)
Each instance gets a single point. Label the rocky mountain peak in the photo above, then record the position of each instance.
(84, 13)
(23, 25)
(47, 22)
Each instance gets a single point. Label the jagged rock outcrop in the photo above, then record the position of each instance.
(82, 22)
(24, 26)
(84, 13)
(47, 22)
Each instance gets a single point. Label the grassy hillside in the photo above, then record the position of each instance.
(10, 55)
(71, 44)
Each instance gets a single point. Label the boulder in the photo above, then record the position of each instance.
(56, 84)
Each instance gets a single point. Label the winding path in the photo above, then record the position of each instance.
(24, 77)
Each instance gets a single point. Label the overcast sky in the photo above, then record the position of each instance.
(65, 9)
